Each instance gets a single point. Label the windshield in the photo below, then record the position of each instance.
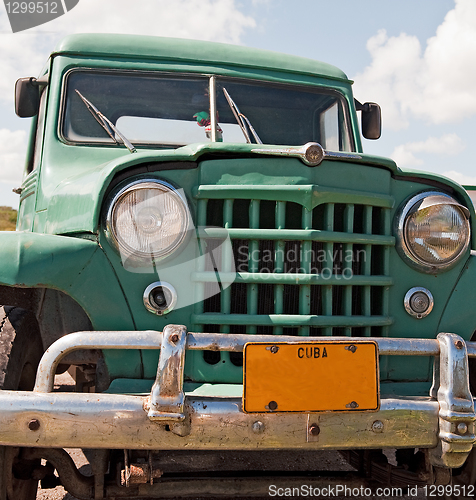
(151, 109)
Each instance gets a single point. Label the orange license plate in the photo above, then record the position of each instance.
(311, 377)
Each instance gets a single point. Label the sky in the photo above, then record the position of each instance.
(416, 58)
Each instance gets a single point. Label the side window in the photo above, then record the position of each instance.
(38, 146)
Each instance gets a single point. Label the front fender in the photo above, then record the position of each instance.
(459, 315)
(76, 266)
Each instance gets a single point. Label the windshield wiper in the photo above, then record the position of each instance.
(242, 120)
(106, 124)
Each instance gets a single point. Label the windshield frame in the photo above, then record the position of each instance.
(213, 81)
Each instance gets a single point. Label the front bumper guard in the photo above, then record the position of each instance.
(170, 419)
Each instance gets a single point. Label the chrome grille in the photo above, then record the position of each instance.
(310, 271)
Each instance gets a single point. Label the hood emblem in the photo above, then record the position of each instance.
(311, 153)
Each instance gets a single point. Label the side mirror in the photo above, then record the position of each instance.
(27, 97)
(371, 119)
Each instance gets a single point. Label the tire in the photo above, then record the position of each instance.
(21, 349)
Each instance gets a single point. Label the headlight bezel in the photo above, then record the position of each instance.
(111, 204)
(411, 205)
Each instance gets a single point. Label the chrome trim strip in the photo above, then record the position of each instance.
(311, 154)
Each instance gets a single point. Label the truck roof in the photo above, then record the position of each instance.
(159, 48)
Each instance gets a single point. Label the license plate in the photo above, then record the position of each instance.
(311, 377)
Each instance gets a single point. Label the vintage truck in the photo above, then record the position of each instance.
(233, 283)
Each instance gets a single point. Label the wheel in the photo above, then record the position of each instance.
(21, 349)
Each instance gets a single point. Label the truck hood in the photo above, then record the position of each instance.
(76, 201)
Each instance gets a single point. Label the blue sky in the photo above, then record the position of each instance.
(416, 58)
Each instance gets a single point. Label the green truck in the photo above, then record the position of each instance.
(203, 244)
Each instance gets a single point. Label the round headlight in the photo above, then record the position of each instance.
(147, 219)
(434, 230)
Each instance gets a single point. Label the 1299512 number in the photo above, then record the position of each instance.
(455, 490)
(32, 7)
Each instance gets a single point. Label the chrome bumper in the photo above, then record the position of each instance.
(169, 419)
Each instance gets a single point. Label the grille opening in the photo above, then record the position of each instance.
(338, 301)
(240, 254)
(377, 221)
(316, 301)
(236, 358)
(264, 330)
(318, 217)
(376, 302)
(357, 301)
(318, 257)
(358, 331)
(291, 331)
(265, 299)
(377, 260)
(293, 216)
(211, 304)
(339, 212)
(376, 331)
(215, 213)
(241, 213)
(291, 299)
(212, 357)
(238, 303)
(266, 261)
(359, 257)
(338, 258)
(339, 331)
(358, 219)
(292, 257)
(267, 214)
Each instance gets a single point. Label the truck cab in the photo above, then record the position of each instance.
(204, 245)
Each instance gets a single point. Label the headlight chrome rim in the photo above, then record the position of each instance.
(405, 249)
(119, 193)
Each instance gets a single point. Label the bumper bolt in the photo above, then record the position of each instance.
(272, 405)
(459, 344)
(33, 425)
(314, 430)
(462, 428)
(274, 349)
(377, 426)
(174, 338)
(257, 427)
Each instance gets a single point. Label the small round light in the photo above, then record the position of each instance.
(434, 230)
(147, 219)
(418, 302)
(160, 298)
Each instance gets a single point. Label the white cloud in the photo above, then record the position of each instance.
(25, 53)
(460, 178)
(12, 157)
(405, 154)
(435, 82)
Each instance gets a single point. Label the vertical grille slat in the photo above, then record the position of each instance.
(319, 272)
(253, 262)
(328, 266)
(280, 222)
(306, 261)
